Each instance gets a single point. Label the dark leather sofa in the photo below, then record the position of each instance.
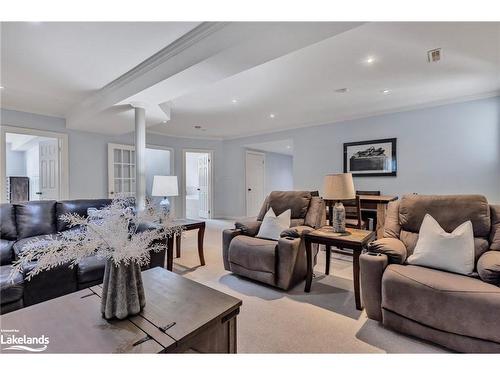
(19, 224)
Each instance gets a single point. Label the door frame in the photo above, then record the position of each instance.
(63, 157)
(263, 154)
(212, 165)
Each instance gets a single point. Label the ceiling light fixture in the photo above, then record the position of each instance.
(370, 60)
(197, 126)
(343, 90)
(164, 121)
(234, 101)
(272, 115)
(1, 87)
(386, 91)
(288, 147)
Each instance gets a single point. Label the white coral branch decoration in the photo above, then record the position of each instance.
(118, 233)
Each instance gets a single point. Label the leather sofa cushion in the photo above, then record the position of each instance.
(252, 253)
(10, 290)
(449, 211)
(296, 201)
(445, 301)
(79, 206)
(90, 269)
(495, 227)
(8, 221)
(36, 218)
(6, 254)
(20, 246)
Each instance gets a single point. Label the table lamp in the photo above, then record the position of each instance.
(165, 186)
(338, 187)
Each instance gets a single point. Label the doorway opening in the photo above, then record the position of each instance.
(33, 167)
(198, 184)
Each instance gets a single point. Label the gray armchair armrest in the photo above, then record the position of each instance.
(392, 247)
(248, 227)
(296, 232)
(227, 237)
(371, 268)
(488, 267)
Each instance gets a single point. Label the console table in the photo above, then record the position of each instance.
(355, 239)
(180, 316)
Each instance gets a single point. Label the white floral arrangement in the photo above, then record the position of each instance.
(115, 232)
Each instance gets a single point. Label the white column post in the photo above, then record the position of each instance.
(140, 157)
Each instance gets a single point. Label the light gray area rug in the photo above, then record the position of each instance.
(273, 321)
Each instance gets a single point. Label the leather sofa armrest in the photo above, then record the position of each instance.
(372, 267)
(392, 247)
(488, 267)
(227, 237)
(248, 227)
(296, 232)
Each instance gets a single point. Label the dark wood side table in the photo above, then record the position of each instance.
(354, 239)
(187, 224)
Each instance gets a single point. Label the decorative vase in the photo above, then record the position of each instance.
(338, 223)
(122, 290)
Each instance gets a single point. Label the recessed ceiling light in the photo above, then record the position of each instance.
(386, 91)
(343, 90)
(197, 126)
(272, 115)
(164, 121)
(1, 87)
(370, 60)
(288, 147)
(234, 101)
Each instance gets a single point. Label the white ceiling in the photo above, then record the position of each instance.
(282, 146)
(49, 67)
(300, 88)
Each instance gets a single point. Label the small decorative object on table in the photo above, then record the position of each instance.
(338, 187)
(117, 233)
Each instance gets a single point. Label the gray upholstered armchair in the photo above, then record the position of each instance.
(279, 263)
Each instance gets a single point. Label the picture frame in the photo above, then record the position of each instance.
(373, 158)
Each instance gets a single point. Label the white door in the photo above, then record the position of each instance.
(49, 170)
(121, 170)
(255, 180)
(204, 186)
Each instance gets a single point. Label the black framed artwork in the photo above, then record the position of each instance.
(371, 158)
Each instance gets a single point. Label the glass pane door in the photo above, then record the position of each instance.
(121, 170)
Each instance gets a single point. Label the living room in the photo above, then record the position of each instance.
(175, 186)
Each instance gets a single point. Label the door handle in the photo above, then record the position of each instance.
(38, 193)
(249, 189)
(198, 189)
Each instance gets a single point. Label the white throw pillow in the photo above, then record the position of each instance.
(272, 226)
(436, 248)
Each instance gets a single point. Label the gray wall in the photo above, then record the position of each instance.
(88, 154)
(16, 162)
(449, 149)
(279, 172)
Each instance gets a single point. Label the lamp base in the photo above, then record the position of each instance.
(338, 221)
(165, 205)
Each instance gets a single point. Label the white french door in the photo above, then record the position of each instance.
(255, 181)
(121, 170)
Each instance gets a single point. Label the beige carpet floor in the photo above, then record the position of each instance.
(273, 321)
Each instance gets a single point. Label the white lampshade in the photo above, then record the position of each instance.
(339, 187)
(165, 186)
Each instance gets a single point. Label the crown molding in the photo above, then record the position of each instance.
(409, 108)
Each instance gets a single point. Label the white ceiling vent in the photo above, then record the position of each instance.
(434, 55)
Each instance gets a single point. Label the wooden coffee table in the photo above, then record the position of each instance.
(354, 239)
(180, 316)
